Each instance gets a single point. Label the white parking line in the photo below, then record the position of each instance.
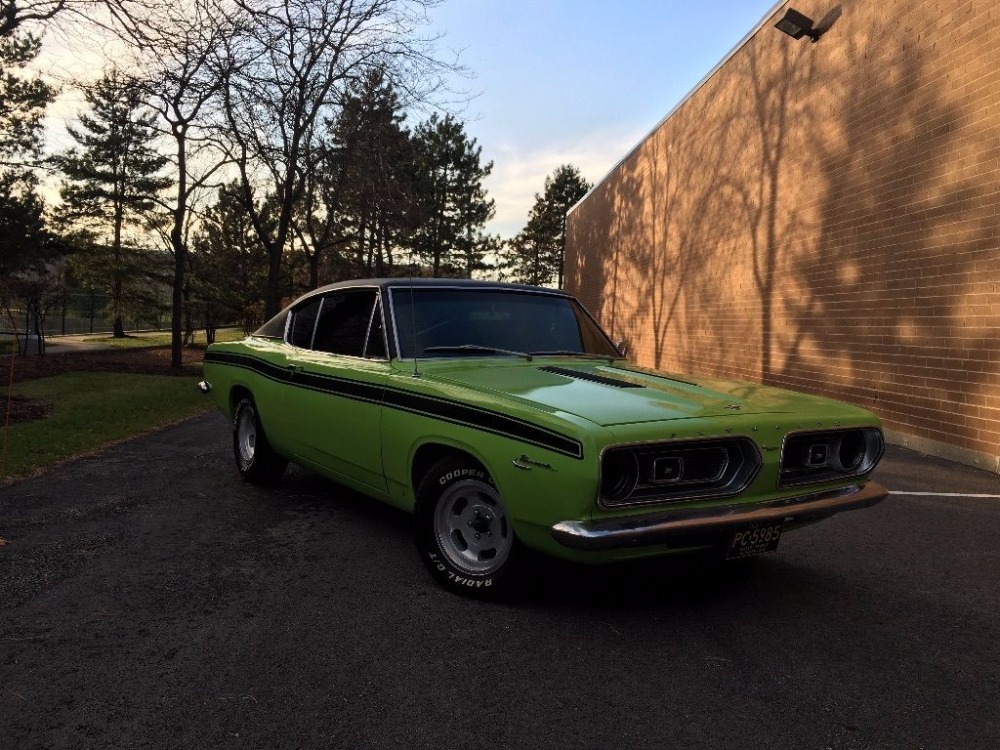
(942, 494)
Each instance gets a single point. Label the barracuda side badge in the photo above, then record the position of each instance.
(733, 407)
(526, 463)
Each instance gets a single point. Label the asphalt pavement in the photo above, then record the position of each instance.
(151, 599)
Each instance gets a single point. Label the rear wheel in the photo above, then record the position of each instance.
(463, 533)
(255, 459)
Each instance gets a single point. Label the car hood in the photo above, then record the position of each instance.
(620, 394)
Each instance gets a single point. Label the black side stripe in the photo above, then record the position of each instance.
(430, 406)
(265, 368)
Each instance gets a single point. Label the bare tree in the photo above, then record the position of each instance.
(15, 14)
(173, 45)
(181, 82)
(36, 291)
(112, 15)
(285, 71)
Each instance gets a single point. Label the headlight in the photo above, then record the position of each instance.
(677, 470)
(619, 473)
(810, 457)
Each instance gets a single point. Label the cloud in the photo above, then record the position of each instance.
(519, 172)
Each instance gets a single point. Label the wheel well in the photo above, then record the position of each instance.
(235, 395)
(429, 454)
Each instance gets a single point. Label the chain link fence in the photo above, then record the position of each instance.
(88, 311)
(84, 311)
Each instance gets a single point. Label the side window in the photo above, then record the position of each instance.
(275, 327)
(343, 322)
(303, 321)
(375, 348)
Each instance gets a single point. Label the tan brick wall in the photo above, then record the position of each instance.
(823, 217)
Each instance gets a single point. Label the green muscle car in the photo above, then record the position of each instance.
(503, 417)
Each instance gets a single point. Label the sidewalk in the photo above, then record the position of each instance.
(72, 345)
(95, 342)
(66, 345)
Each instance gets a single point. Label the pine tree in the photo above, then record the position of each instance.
(535, 256)
(112, 182)
(363, 195)
(453, 204)
(29, 280)
(229, 263)
(24, 241)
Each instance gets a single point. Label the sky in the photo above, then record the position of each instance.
(578, 81)
(554, 82)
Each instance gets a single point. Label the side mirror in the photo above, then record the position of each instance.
(622, 347)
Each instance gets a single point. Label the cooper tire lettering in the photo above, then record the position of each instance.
(462, 528)
(462, 473)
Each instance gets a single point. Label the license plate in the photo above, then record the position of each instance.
(754, 540)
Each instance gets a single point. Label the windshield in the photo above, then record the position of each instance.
(485, 322)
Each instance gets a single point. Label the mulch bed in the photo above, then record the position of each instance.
(155, 361)
(22, 409)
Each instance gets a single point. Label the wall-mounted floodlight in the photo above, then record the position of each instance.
(797, 26)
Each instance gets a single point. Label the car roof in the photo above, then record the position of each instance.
(404, 281)
(418, 282)
(271, 326)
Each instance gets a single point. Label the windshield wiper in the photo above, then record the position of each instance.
(582, 355)
(477, 348)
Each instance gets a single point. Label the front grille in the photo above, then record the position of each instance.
(704, 464)
(829, 455)
(677, 471)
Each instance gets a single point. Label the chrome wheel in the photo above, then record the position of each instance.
(471, 527)
(246, 434)
(256, 460)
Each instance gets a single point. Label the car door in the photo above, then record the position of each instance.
(338, 375)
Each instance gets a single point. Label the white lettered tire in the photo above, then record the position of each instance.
(255, 458)
(463, 533)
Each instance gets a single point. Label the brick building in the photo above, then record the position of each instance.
(823, 217)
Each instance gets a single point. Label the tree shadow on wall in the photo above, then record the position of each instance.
(903, 239)
(683, 209)
(586, 273)
(789, 227)
(651, 234)
(771, 223)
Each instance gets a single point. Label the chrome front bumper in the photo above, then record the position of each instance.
(680, 525)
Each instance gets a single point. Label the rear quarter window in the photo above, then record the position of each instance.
(300, 333)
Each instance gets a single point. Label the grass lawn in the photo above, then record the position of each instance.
(91, 409)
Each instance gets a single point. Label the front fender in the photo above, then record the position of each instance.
(553, 488)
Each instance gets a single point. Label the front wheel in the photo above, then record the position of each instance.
(463, 533)
(255, 458)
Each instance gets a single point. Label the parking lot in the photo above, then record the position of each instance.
(149, 598)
